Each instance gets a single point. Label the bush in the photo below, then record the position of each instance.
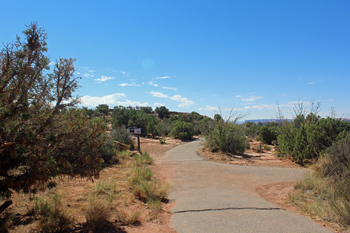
(228, 137)
(329, 185)
(165, 128)
(267, 147)
(162, 111)
(251, 129)
(162, 140)
(42, 134)
(121, 135)
(336, 160)
(97, 215)
(182, 130)
(205, 125)
(258, 148)
(53, 218)
(267, 134)
(103, 109)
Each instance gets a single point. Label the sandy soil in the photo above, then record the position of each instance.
(76, 193)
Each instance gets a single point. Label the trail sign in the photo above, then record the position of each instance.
(137, 131)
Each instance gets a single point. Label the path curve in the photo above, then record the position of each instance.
(215, 197)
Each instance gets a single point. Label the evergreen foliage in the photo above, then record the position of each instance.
(40, 136)
(182, 130)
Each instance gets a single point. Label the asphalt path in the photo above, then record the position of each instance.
(215, 197)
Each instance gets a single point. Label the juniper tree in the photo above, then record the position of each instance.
(41, 136)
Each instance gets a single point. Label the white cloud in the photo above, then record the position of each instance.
(158, 94)
(200, 109)
(103, 79)
(153, 84)
(179, 98)
(170, 88)
(77, 72)
(91, 71)
(162, 77)
(158, 104)
(310, 83)
(185, 103)
(111, 100)
(282, 95)
(239, 96)
(133, 84)
(88, 75)
(211, 108)
(251, 98)
(126, 73)
(52, 63)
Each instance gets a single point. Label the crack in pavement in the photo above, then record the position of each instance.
(229, 208)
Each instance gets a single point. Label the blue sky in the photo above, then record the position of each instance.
(198, 55)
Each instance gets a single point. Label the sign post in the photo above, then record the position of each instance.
(137, 131)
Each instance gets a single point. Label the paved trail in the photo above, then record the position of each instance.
(215, 197)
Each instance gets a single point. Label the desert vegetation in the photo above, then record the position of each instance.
(60, 166)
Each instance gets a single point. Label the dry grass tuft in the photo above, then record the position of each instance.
(97, 215)
(125, 219)
(53, 218)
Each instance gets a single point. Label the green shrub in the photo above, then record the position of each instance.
(267, 134)
(121, 135)
(165, 128)
(228, 137)
(251, 130)
(162, 111)
(205, 125)
(162, 140)
(182, 130)
(267, 147)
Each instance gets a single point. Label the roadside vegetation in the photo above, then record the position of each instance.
(60, 166)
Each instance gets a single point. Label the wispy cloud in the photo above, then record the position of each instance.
(133, 84)
(153, 84)
(165, 77)
(252, 98)
(185, 103)
(170, 88)
(239, 96)
(91, 71)
(211, 108)
(88, 75)
(158, 94)
(158, 104)
(200, 109)
(282, 95)
(111, 100)
(125, 73)
(103, 79)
